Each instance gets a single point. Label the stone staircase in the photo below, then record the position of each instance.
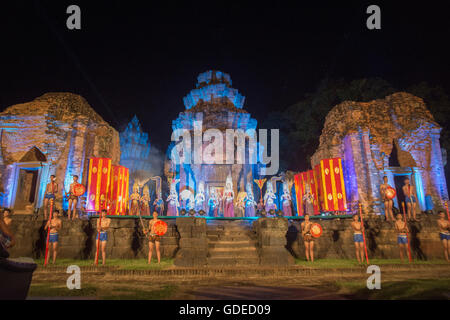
(231, 243)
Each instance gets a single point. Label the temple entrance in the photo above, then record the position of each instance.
(399, 182)
(26, 189)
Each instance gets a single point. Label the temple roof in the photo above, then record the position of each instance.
(213, 90)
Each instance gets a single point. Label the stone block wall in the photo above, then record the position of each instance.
(193, 243)
(271, 241)
(381, 239)
(77, 239)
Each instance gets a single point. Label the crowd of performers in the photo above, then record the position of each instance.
(226, 206)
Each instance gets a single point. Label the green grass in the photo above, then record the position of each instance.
(125, 264)
(50, 290)
(350, 263)
(414, 289)
(165, 292)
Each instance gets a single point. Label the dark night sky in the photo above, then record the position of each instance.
(135, 58)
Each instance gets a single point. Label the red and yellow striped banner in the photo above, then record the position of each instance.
(118, 195)
(332, 188)
(300, 181)
(98, 184)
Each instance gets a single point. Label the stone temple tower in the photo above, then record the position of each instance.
(218, 106)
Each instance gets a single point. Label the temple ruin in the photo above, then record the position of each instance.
(395, 137)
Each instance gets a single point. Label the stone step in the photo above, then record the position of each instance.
(247, 254)
(228, 261)
(232, 244)
(228, 233)
(215, 238)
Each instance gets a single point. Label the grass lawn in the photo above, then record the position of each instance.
(414, 289)
(349, 263)
(115, 292)
(124, 264)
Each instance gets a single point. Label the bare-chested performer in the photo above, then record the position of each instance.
(410, 199)
(444, 234)
(402, 235)
(388, 203)
(50, 193)
(55, 225)
(308, 239)
(7, 239)
(358, 238)
(103, 229)
(73, 200)
(154, 239)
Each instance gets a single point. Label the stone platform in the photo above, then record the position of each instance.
(200, 242)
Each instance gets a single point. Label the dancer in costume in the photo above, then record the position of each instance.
(50, 193)
(308, 200)
(228, 198)
(103, 229)
(240, 205)
(213, 204)
(308, 239)
(135, 199)
(159, 204)
(402, 235)
(388, 203)
(55, 225)
(358, 238)
(200, 198)
(172, 200)
(145, 201)
(410, 199)
(154, 239)
(286, 201)
(269, 198)
(444, 234)
(249, 201)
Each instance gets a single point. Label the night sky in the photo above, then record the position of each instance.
(142, 58)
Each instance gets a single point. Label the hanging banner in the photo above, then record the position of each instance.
(332, 188)
(98, 184)
(301, 181)
(118, 193)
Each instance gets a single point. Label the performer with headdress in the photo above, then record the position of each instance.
(200, 197)
(388, 202)
(249, 202)
(240, 204)
(135, 199)
(213, 204)
(159, 204)
(308, 200)
(286, 201)
(145, 201)
(269, 198)
(172, 200)
(228, 198)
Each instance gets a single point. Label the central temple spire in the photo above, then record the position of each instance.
(212, 88)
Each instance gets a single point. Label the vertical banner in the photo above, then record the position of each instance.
(98, 184)
(298, 193)
(332, 184)
(118, 195)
